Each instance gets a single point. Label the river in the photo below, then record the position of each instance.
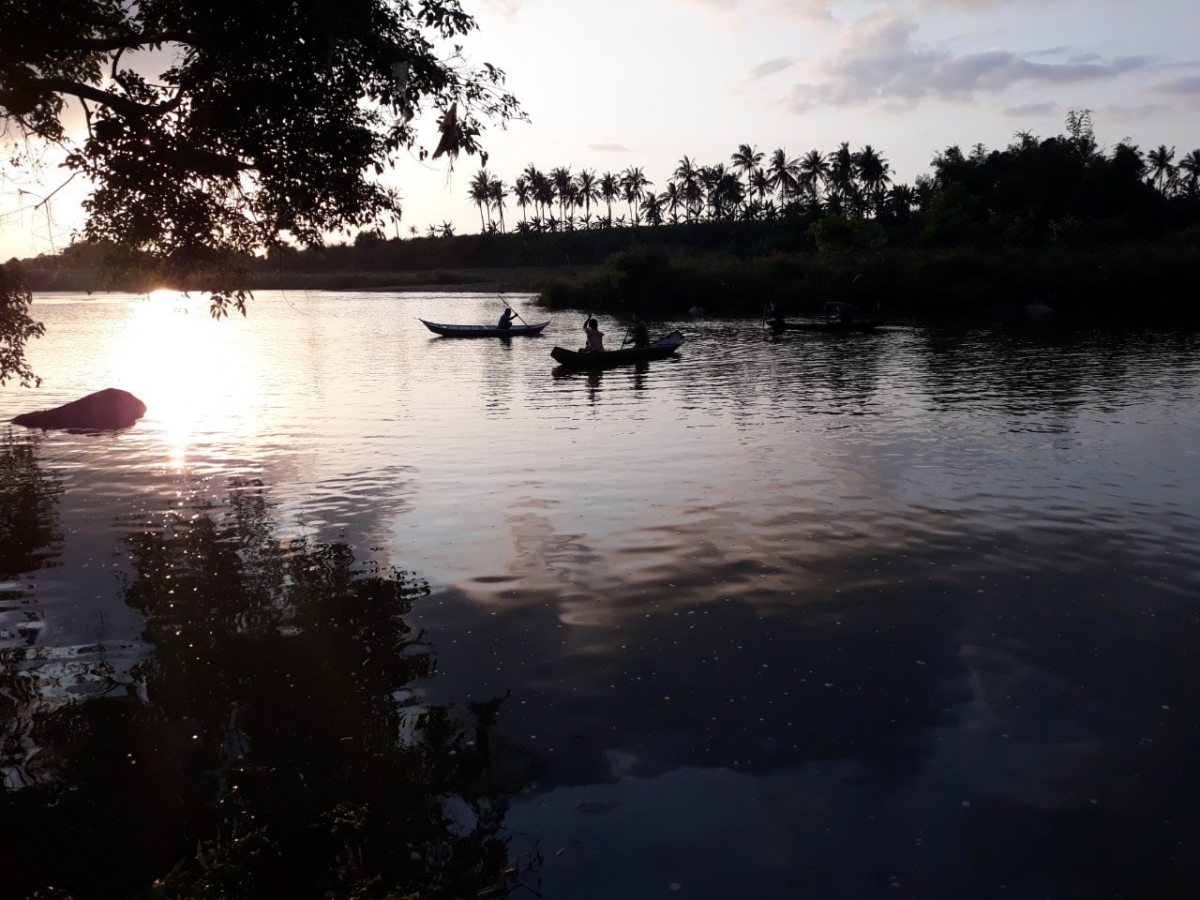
(908, 614)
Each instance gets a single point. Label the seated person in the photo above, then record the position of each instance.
(639, 335)
(506, 318)
(593, 337)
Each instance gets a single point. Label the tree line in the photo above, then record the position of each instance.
(1063, 176)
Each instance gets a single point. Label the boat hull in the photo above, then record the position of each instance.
(577, 359)
(469, 331)
(823, 326)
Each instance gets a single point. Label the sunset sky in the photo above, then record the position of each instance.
(614, 83)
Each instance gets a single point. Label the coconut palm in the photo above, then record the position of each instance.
(633, 188)
(687, 174)
(479, 190)
(783, 175)
(1191, 165)
(496, 194)
(1162, 172)
(746, 160)
(871, 171)
(672, 199)
(814, 173)
(543, 192)
(522, 194)
(588, 192)
(841, 174)
(760, 187)
(610, 190)
(562, 188)
(726, 196)
(652, 207)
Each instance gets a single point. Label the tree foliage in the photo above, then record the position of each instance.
(16, 326)
(220, 128)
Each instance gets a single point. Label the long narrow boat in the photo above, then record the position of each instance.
(837, 316)
(580, 359)
(484, 330)
(818, 325)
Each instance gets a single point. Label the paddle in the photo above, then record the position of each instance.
(514, 312)
(625, 339)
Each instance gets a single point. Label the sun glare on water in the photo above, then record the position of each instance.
(196, 375)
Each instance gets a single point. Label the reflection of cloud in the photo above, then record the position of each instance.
(609, 148)
(880, 61)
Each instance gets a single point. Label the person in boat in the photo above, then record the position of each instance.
(506, 318)
(593, 336)
(639, 334)
(773, 315)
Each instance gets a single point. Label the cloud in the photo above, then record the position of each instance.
(509, 9)
(808, 12)
(1029, 110)
(880, 62)
(770, 67)
(609, 148)
(1180, 87)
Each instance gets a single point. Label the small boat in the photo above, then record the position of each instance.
(836, 317)
(818, 325)
(582, 359)
(484, 330)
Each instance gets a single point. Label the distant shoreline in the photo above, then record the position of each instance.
(500, 281)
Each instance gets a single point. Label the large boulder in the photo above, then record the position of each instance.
(102, 411)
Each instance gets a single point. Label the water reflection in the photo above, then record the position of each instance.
(272, 725)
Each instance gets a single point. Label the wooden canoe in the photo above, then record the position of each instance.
(580, 359)
(484, 330)
(818, 325)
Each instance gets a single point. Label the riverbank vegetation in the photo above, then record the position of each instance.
(1058, 221)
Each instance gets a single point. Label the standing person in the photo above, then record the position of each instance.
(639, 334)
(593, 336)
(506, 318)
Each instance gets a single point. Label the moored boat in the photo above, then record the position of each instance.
(484, 330)
(836, 317)
(581, 359)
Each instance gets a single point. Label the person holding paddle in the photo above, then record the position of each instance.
(506, 318)
(593, 336)
(638, 334)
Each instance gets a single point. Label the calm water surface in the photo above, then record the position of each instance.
(909, 614)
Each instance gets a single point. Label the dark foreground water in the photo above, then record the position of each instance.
(906, 615)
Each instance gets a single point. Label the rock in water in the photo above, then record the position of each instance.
(102, 411)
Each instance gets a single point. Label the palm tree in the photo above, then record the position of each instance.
(633, 187)
(589, 192)
(726, 196)
(1191, 165)
(446, 229)
(688, 176)
(783, 175)
(610, 190)
(672, 199)
(814, 172)
(746, 160)
(543, 192)
(562, 186)
(479, 191)
(496, 194)
(522, 193)
(841, 173)
(652, 206)
(760, 187)
(1162, 173)
(872, 170)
